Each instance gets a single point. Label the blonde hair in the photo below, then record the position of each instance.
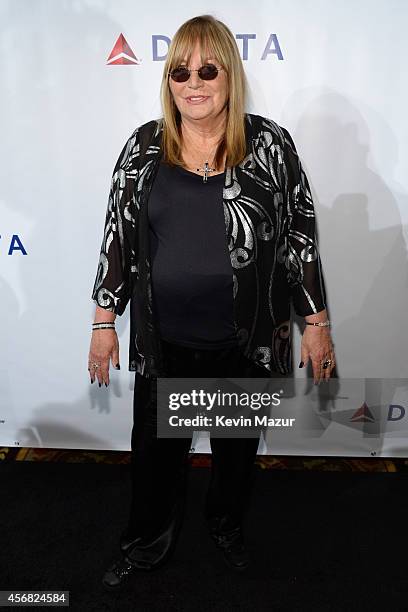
(216, 40)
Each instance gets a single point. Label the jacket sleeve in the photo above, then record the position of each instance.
(116, 260)
(303, 264)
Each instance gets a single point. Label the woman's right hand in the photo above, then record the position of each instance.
(104, 347)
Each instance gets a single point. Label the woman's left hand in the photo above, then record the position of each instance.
(318, 347)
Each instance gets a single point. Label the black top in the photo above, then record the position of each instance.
(191, 271)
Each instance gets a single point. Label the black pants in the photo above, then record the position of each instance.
(159, 465)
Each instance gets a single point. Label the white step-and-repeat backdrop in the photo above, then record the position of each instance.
(333, 73)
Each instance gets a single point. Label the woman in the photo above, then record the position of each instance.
(210, 234)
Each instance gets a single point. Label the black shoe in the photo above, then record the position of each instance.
(232, 545)
(127, 541)
(120, 572)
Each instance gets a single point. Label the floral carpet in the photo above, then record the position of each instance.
(268, 462)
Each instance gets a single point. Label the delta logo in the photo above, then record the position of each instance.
(122, 53)
(363, 414)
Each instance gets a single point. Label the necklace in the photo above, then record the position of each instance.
(206, 165)
(206, 170)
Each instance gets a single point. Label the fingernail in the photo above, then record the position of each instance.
(92, 382)
(301, 364)
(106, 384)
(100, 384)
(117, 366)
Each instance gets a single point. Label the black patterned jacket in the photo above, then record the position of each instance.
(270, 232)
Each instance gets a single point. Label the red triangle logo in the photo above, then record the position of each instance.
(363, 415)
(122, 53)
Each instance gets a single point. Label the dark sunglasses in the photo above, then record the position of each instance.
(181, 74)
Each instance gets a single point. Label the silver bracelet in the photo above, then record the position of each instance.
(322, 324)
(104, 325)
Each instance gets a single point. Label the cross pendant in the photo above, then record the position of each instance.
(206, 170)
